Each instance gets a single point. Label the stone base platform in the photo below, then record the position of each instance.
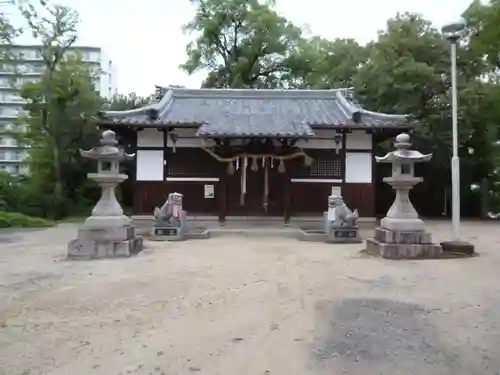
(112, 242)
(458, 247)
(402, 244)
(343, 235)
(167, 233)
(339, 235)
(312, 235)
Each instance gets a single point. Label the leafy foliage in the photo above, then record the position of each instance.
(242, 43)
(124, 102)
(18, 220)
(58, 124)
(484, 31)
(323, 64)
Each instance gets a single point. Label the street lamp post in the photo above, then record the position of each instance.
(453, 32)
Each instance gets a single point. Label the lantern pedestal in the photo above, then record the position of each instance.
(392, 244)
(107, 212)
(402, 216)
(105, 242)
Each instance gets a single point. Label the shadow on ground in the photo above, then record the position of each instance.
(382, 336)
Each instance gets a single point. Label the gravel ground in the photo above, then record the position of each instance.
(240, 305)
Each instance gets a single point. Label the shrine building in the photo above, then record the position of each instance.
(245, 152)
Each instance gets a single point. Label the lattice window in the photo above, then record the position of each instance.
(325, 164)
(191, 162)
(326, 168)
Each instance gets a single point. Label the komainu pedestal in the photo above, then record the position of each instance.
(341, 224)
(107, 233)
(401, 233)
(170, 220)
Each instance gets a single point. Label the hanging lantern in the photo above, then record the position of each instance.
(173, 137)
(255, 166)
(243, 180)
(337, 139)
(281, 167)
(230, 168)
(307, 160)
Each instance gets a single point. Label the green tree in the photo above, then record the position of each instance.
(323, 64)
(240, 43)
(7, 31)
(122, 102)
(483, 20)
(57, 34)
(408, 71)
(57, 169)
(59, 107)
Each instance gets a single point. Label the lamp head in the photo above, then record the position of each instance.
(454, 30)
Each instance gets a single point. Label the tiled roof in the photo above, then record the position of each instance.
(246, 112)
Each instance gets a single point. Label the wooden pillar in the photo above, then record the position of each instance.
(222, 194)
(342, 153)
(375, 136)
(136, 204)
(287, 192)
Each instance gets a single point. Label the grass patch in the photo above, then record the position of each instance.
(18, 220)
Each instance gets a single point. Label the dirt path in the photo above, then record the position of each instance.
(237, 305)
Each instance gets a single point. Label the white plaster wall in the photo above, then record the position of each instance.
(149, 165)
(190, 142)
(149, 138)
(358, 167)
(187, 138)
(325, 133)
(358, 140)
(318, 143)
(186, 132)
(323, 139)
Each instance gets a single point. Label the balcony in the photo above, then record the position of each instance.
(11, 158)
(6, 100)
(9, 142)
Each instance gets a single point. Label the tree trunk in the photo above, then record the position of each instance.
(58, 186)
(59, 208)
(484, 199)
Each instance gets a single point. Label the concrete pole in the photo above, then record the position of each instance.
(455, 161)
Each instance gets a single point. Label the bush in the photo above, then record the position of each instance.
(18, 220)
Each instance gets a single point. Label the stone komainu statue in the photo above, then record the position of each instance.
(171, 213)
(342, 215)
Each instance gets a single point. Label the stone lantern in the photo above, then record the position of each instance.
(401, 233)
(107, 232)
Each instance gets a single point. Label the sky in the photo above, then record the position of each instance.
(146, 44)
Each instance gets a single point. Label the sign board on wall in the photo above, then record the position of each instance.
(209, 191)
(336, 190)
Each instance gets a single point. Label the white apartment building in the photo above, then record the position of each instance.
(29, 67)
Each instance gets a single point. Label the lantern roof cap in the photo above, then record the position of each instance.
(108, 150)
(403, 153)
